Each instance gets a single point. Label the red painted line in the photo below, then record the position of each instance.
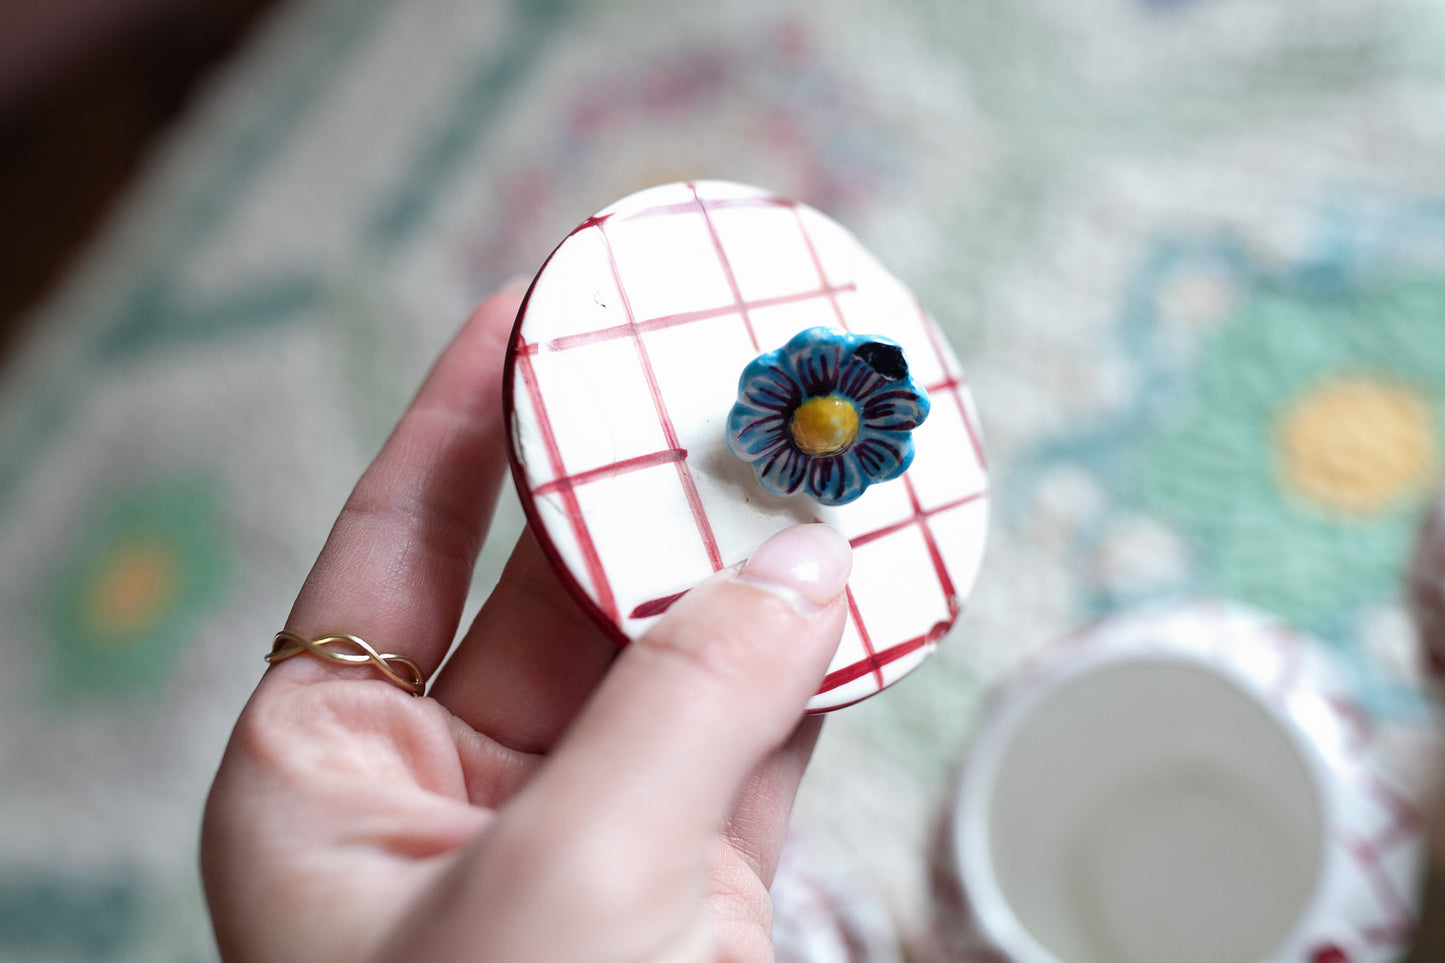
(612, 471)
(1354, 718)
(874, 663)
(1291, 657)
(619, 331)
(949, 383)
(863, 634)
(974, 436)
(595, 570)
(593, 221)
(655, 606)
(1404, 821)
(917, 517)
(669, 430)
(945, 580)
(1403, 920)
(727, 267)
(818, 266)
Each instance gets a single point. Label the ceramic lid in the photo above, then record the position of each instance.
(625, 365)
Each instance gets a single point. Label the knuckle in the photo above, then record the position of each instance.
(412, 521)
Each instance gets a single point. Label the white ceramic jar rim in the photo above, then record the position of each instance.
(973, 854)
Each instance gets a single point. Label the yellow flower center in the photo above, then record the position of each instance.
(1357, 445)
(825, 426)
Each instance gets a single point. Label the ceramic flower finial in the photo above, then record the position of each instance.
(829, 413)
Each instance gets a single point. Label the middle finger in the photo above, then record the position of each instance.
(529, 661)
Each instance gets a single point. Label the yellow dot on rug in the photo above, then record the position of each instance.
(132, 588)
(1358, 445)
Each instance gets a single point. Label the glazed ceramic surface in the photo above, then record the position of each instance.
(823, 912)
(826, 415)
(1191, 785)
(625, 366)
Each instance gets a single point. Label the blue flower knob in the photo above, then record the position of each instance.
(829, 413)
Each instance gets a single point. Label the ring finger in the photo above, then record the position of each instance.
(396, 566)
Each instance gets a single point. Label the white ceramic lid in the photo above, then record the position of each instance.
(624, 366)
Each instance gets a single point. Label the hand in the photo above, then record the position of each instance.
(551, 799)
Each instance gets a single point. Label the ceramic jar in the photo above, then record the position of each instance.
(1427, 593)
(1191, 785)
(823, 912)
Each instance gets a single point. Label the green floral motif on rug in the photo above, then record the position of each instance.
(1284, 429)
(128, 594)
(1297, 462)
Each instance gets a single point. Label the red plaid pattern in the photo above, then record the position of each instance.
(625, 365)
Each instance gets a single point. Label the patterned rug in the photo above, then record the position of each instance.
(1191, 252)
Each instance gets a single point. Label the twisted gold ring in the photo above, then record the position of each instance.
(350, 650)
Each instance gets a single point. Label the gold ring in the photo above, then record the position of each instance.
(350, 650)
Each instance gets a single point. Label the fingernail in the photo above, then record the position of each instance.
(807, 565)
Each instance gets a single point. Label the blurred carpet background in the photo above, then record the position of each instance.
(1192, 253)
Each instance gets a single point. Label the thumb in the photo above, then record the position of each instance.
(691, 708)
(614, 837)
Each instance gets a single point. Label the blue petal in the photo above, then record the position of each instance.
(836, 480)
(767, 383)
(883, 455)
(752, 431)
(767, 396)
(857, 380)
(899, 406)
(814, 359)
(751, 435)
(784, 471)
